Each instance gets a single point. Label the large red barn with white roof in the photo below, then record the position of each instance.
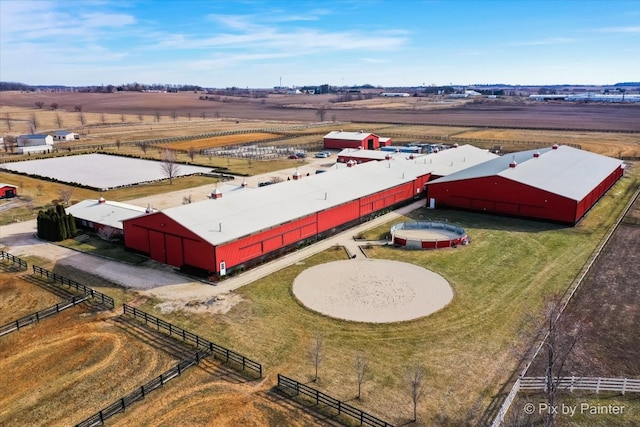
(558, 183)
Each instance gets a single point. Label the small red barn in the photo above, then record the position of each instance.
(558, 183)
(341, 140)
(8, 191)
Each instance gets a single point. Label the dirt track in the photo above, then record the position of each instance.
(525, 114)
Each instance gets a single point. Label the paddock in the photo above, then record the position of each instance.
(372, 290)
(428, 235)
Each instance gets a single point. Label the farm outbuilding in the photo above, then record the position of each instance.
(8, 191)
(558, 183)
(34, 143)
(341, 140)
(62, 135)
(101, 214)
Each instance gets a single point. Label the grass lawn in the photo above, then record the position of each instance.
(468, 349)
(113, 250)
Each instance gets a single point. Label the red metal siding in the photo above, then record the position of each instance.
(166, 241)
(338, 215)
(503, 196)
(587, 203)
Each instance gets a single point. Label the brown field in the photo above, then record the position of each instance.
(72, 364)
(19, 298)
(219, 141)
(516, 113)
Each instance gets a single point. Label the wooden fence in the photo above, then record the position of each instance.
(101, 298)
(139, 393)
(219, 352)
(292, 386)
(39, 315)
(597, 384)
(22, 264)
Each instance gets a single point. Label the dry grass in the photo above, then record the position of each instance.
(219, 141)
(19, 298)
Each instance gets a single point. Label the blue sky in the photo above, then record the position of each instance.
(260, 43)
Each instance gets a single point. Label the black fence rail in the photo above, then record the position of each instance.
(219, 352)
(22, 264)
(139, 393)
(99, 297)
(294, 387)
(39, 315)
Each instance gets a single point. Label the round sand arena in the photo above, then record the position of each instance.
(374, 291)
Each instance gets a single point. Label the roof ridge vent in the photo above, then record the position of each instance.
(555, 146)
(513, 163)
(536, 154)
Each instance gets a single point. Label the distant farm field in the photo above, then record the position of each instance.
(219, 141)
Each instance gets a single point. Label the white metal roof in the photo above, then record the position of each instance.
(2, 184)
(351, 136)
(241, 213)
(452, 160)
(107, 213)
(566, 171)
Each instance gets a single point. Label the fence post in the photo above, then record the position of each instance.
(598, 385)
(142, 388)
(101, 417)
(624, 386)
(243, 362)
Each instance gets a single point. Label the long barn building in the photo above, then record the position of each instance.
(558, 183)
(238, 230)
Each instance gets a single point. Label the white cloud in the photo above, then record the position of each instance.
(545, 42)
(619, 30)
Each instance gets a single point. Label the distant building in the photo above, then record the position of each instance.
(341, 140)
(96, 215)
(395, 94)
(8, 191)
(35, 143)
(64, 136)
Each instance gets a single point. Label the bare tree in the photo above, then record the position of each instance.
(415, 378)
(59, 120)
(217, 114)
(192, 153)
(65, 194)
(39, 187)
(9, 142)
(122, 118)
(316, 353)
(82, 118)
(203, 115)
(33, 123)
(118, 143)
(140, 118)
(107, 233)
(7, 120)
(361, 366)
(321, 113)
(186, 199)
(77, 107)
(174, 116)
(103, 118)
(39, 104)
(560, 337)
(276, 179)
(54, 105)
(189, 115)
(158, 116)
(144, 145)
(169, 166)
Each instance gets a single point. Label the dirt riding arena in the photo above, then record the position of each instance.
(374, 291)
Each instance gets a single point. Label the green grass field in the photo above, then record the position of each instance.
(468, 349)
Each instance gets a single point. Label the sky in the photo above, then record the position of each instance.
(267, 43)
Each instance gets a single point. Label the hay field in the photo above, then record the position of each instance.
(219, 141)
(19, 298)
(469, 349)
(605, 143)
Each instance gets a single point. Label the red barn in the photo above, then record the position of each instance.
(8, 191)
(368, 141)
(558, 184)
(242, 229)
